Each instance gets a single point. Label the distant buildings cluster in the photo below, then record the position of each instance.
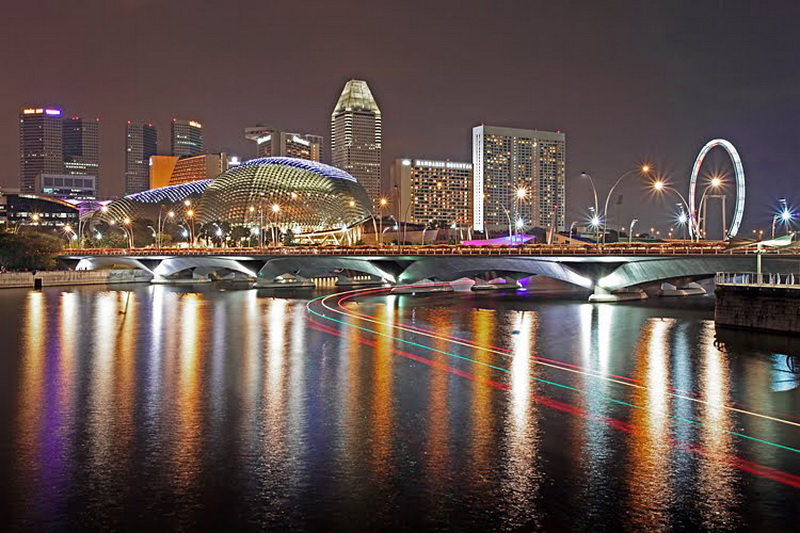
(516, 176)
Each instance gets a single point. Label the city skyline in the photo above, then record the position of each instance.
(688, 80)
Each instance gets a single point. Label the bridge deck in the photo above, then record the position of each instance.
(398, 251)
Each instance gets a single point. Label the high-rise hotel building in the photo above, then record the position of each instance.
(81, 147)
(433, 191)
(186, 138)
(141, 142)
(271, 142)
(40, 145)
(356, 137)
(519, 175)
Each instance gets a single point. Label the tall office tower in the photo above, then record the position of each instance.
(271, 142)
(518, 176)
(187, 138)
(40, 145)
(141, 142)
(356, 137)
(433, 191)
(82, 147)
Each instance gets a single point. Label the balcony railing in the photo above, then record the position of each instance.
(753, 279)
(427, 250)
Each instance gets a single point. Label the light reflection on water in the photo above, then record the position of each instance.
(167, 407)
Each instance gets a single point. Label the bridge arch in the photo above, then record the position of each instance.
(98, 263)
(173, 265)
(740, 183)
(309, 267)
(455, 268)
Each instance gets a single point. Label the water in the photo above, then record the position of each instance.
(198, 408)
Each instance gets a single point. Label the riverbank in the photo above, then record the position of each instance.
(54, 278)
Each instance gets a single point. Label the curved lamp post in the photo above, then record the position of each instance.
(644, 169)
(715, 183)
(660, 186)
(596, 217)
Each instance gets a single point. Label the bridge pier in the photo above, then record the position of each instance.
(602, 295)
(285, 281)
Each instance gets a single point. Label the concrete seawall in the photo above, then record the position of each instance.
(771, 309)
(9, 280)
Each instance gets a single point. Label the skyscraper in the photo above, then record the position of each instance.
(81, 142)
(186, 138)
(356, 137)
(519, 178)
(271, 142)
(40, 145)
(433, 191)
(141, 142)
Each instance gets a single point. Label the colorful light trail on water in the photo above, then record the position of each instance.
(337, 312)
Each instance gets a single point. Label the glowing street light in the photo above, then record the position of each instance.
(521, 193)
(383, 202)
(659, 186)
(643, 169)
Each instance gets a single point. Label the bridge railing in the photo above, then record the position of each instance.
(426, 250)
(754, 279)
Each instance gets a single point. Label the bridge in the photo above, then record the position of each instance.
(603, 269)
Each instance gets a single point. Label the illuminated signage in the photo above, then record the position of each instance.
(297, 139)
(194, 124)
(262, 140)
(41, 111)
(442, 164)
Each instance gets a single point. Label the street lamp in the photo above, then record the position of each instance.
(170, 214)
(714, 183)
(127, 222)
(68, 230)
(519, 195)
(190, 222)
(595, 218)
(659, 185)
(784, 216)
(275, 208)
(644, 169)
(383, 202)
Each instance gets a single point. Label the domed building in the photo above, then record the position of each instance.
(316, 202)
(306, 197)
(148, 204)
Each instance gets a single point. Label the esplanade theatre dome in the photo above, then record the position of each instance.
(304, 196)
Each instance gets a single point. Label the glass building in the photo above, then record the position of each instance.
(309, 198)
(297, 194)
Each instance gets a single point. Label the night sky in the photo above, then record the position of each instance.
(628, 81)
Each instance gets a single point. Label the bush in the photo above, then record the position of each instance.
(29, 251)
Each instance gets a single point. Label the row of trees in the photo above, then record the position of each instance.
(28, 250)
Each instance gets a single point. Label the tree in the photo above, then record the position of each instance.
(29, 250)
(288, 237)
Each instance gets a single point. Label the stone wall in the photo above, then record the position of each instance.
(71, 277)
(758, 308)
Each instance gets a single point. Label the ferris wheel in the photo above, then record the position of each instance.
(738, 213)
